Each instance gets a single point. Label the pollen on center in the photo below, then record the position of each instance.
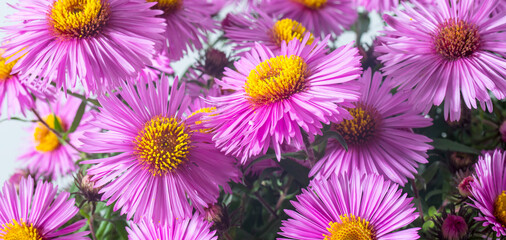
(163, 145)
(350, 228)
(362, 127)
(276, 79)
(79, 18)
(288, 29)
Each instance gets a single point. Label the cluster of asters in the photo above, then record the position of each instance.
(96, 75)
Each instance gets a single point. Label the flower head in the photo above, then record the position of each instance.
(487, 191)
(321, 17)
(379, 137)
(356, 207)
(245, 30)
(48, 154)
(36, 212)
(164, 151)
(278, 94)
(450, 52)
(100, 42)
(192, 228)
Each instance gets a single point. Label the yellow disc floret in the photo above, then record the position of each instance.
(350, 228)
(79, 18)
(162, 145)
(276, 79)
(19, 231)
(5, 68)
(45, 139)
(313, 4)
(500, 208)
(288, 29)
(167, 6)
(362, 127)
(456, 39)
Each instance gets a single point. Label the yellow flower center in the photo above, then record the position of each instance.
(276, 79)
(79, 18)
(163, 145)
(167, 6)
(362, 127)
(19, 231)
(45, 139)
(350, 228)
(5, 68)
(500, 208)
(313, 4)
(288, 29)
(456, 39)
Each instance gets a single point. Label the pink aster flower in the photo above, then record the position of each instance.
(188, 21)
(379, 137)
(16, 94)
(450, 52)
(356, 207)
(100, 42)
(193, 228)
(164, 151)
(488, 192)
(278, 94)
(321, 17)
(46, 155)
(245, 30)
(37, 212)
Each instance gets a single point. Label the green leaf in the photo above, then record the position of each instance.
(448, 145)
(57, 125)
(78, 117)
(432, 211)
(299, 172)
(427, 225)
(431, 171)
(328, 135)
(121, 229)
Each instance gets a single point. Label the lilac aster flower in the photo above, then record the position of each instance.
(451, 52)
(164, 151)
(356, 207)
(187, 23)
(37, 212)
(488, 191)
(194, 228)
(46, 155)
(321, 17)
(278, 94)
(245, 30)
(100, 42)
(16, 94)
(379, 136)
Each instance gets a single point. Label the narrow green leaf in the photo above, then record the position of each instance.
(448, 145)
(17, 119)
(57, 125)
(121, 229)
(78, 117)
(331, 134)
